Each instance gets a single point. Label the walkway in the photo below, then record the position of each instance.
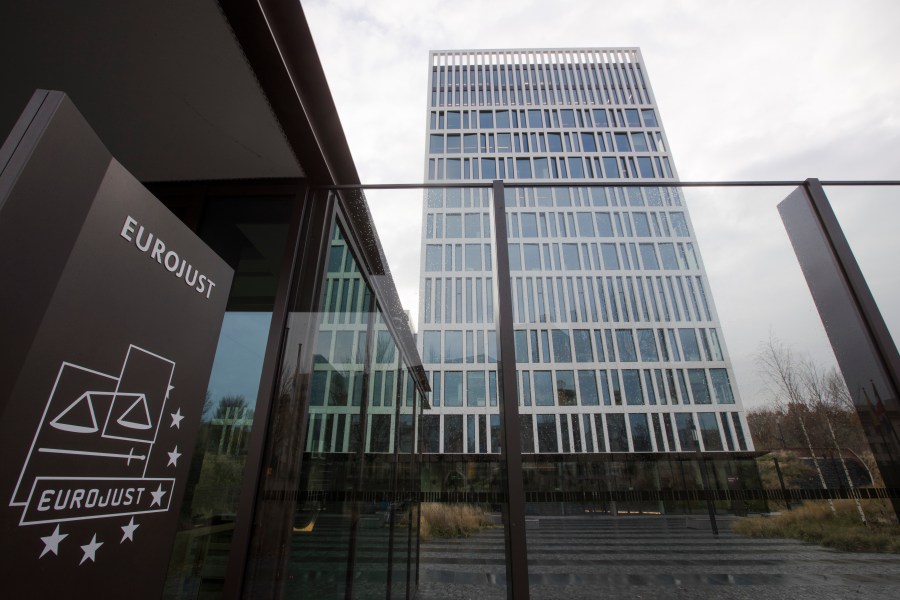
(653, 557)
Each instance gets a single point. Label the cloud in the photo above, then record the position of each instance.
(746, 90)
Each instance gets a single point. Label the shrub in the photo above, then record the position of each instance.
(814, 522)
(451, 520)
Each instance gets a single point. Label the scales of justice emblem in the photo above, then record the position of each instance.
(103, 457)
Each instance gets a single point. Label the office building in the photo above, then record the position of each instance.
(618, 344)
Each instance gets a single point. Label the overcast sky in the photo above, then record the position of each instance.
(767, 90)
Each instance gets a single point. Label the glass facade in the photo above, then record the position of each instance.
(337, 508)
(204, 543)
(607, 279)
(336, 512)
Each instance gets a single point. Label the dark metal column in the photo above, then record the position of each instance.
(361, 451)
(511, 448)
(862, 344)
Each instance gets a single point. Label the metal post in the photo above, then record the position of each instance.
(784, 495)
(862, 344)
(511, 448)
(704, 477)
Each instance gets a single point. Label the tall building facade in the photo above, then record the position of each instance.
(618, 344)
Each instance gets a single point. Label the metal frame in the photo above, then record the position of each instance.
(507, 392)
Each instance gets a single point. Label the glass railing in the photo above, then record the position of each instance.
(674, 394)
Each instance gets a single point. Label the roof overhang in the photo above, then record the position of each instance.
(166, 84)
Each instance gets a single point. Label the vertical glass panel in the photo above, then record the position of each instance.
(679, 224)
(738, 430)
(648, 257)
(453, 225)
(667, 255)
(604, 225)
(523, 168)
(631, 380)
(335, 405)
(562, 351)
(453, 347)
(543, 388)
(454, 168)
(473, 225)
(564, 433)
(492, 387)
(475, 395)
(495, 433)
(699, 387)
(473, 257)
(521, 343)
(431, 433)
(610, 257)
(547, 438)
(587, 384)
(610, 167)
(433, 257)
(625, 342)
(685, 424)
(431, 346)
(631, 115)
(582, 339)
(453, 388)
(488, 168)
(570, 257)
(600, 430)
(618, 436)
(709, 431)
(722, 386)
(640, 432)
(532, 257)
(526, 431)
(453, 434)
(689, 346)
(647, 345)
(213, 484)
(565, 388)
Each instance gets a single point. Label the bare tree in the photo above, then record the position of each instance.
(814, 398)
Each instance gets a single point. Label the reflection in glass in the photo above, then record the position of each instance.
(250, 235)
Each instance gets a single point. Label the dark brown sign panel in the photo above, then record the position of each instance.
(109, 317)
(859, 337)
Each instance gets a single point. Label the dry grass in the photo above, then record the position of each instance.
(814, 522)
(451, 520)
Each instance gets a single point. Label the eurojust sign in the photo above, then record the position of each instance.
(109, 318)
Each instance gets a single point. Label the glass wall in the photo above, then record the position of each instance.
(337, 512)
(250, 233)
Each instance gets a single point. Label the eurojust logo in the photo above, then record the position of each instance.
(103, 458)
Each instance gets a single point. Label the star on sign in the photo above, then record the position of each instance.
(129, 530)
(168, 391)
(90, 550)
(174, 455)
(158, 496)
(176, 419)
(51, 542)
